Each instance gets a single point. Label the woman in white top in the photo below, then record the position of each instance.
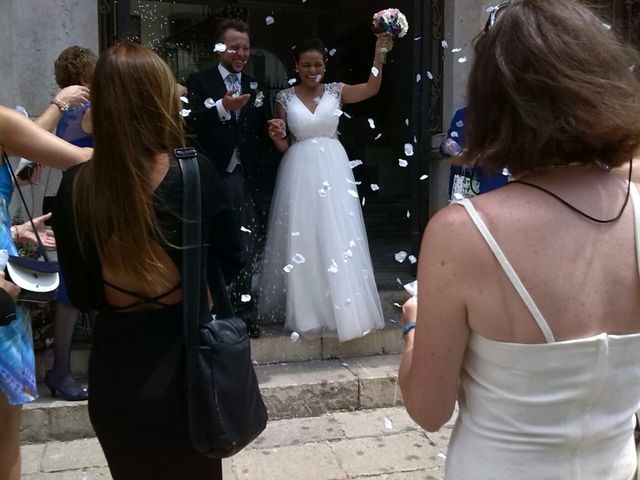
(528, 306)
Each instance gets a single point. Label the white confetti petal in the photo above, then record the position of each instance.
(253, 85)
(288, 268)
(402, 162)
(292, 81)
(396, 304)
(442, 456)
(337, 112)
(269, 20)
(184, 99)
(372, 124)
(185, 112)
(424, 177)
(295, 234)
(406, 122)
(353, 193)
(245, 298)
(456, 50)
(506, 172)
(298, 258)
(374, 71)
(412, 259)
(415, 140)
(220, 47)
(408, 214)
(417, 38)
(244, 229)
(295, 336)
(333, 268)
(388, 424)
(318, 78)
(364, 200)
(355, 163)
(209, 103)
(462, 59)
(444, 44)
(607, 26)
(322, 192)
(454, 134)
(429, 75)
(418, 78)
(400, 256)
(399, 282)
(378, 136)
(332, 52)
(344, 364)
(408, 149)
(459, 124)
(375, 187)
(352, 244)
(347, 115)
(347, 255)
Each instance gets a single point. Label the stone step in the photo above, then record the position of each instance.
(296, 389)
(276, 346)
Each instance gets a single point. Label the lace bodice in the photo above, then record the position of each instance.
(304, 124)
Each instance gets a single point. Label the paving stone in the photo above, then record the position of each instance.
(68, 422)
(34, 425)
(228, 470)
(77, 454)
(275, 345)
(31, 458)
(415, 475)
(377, 377)
(369, 423)
(385, 454)
(314, 461)
(307, 389)
(101, 473)
(282, 433)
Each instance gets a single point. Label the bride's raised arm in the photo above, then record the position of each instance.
(362, 91)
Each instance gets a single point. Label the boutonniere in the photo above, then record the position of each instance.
(259, 100)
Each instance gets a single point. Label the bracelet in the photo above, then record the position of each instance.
(407, 327)
(15, 234)
(61, 105)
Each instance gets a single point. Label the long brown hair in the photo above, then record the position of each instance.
(136, 114)
(551, 84)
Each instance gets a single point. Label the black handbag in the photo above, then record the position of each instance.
(224, 406)
(38, 280)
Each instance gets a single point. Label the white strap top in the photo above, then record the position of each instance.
(513, 276)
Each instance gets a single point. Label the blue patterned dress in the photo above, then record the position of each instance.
(17, 362)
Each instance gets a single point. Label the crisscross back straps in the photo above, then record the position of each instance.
(509, 271)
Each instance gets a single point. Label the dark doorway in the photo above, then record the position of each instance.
(182, 32)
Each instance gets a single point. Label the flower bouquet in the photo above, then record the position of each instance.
(391, 21)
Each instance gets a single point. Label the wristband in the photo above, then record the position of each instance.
(407, 327)
(61, 105)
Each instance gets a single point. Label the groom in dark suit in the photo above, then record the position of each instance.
(228, 117)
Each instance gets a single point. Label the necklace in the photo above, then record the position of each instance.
(577, 210)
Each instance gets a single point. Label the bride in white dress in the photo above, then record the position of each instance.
(317, 269)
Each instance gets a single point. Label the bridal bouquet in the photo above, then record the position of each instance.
(391, 21)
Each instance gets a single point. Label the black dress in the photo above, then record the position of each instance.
(137, 402)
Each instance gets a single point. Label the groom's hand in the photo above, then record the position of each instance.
(230, 102)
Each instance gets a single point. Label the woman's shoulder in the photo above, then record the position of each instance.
(283, 97)
(334, 88)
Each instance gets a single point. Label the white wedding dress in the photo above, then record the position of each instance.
(317, 269)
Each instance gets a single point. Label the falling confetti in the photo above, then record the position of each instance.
(220, 47)
(209, 103)
(459, 124)
(424, 177)
(374, 71)
(418, 78)
(322, 192)
(184, 99)
(375, 187)
(291, 81)
(355, 163)
(506, 172)
(352, 244)
(298, 258)
(347, 115)
(338, 112)
(259, 100)
(400, 256)
(295, 234)
(408, 149)
(378, 136)
(185, 112)
(399, 281)
(344, 364)
(269, 20)
(408, 214)
(388, 424)
(396, 304)
(412, 259)
(607, 26)
(347, 255)
(454, 134)
(333, 268)
(462, 59)
(442, 456)
(288, 268)
(332, 52)
(318, 78)
(372, 124)
(245, 298)
(245, 229)
(253, 85)
(316, 100)
(402, 162)
(364, 200)
(417, 38)
(429, 75)
(353, 193)
(406, 122)
(295, 336)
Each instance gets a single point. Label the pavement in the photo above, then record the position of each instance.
(382, 444)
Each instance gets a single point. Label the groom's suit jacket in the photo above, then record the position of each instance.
(218, 139)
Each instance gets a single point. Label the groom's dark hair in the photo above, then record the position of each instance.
(231, 23)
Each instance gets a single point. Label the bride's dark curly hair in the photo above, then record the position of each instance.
(551, 84)
(310, 45)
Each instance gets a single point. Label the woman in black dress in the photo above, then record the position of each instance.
(119, 231)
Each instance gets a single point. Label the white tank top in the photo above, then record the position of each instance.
(557, 410)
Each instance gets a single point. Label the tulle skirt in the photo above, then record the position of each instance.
(317, 270)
